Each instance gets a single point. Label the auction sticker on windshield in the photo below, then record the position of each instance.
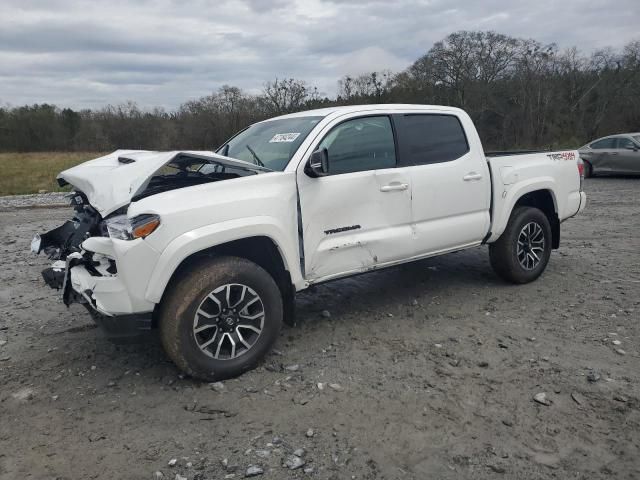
(284, 137)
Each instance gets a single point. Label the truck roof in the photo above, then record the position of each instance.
(323, 112)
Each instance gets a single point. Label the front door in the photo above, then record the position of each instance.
(358, 216)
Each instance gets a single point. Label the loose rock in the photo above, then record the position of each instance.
(593, 376)
(253, 471)
(217, 387)
(23, 394)
(336, 386)
(542, 399)
(326, 314)
(310, 433)
(172, 462)
(576, 397)
(294, 462)
(496, 468)
(263, 453)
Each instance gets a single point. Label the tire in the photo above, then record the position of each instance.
(588, 169)
(189, 314)
(515, 264)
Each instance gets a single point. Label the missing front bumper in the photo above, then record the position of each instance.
(105, 298)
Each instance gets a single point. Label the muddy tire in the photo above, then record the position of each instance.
(220, 318)
(522, 252)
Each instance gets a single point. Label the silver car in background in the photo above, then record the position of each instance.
(615, 154)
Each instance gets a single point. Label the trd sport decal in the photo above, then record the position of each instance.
(562, 156)
(342, 229)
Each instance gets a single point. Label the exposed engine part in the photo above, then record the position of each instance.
(66, 239)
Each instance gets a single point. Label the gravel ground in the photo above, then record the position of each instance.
(423, 371)
(35, 200)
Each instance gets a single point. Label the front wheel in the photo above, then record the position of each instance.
(522, 252)
(218, 320)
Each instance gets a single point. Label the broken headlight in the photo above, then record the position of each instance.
(124, 228)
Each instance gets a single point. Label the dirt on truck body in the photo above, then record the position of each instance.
(428, 370)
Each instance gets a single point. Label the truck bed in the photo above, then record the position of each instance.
(516, 174)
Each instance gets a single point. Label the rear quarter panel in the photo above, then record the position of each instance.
(514, 176)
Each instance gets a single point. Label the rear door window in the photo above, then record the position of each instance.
(603, 144)
(625, 143)
(364, 143)
(430, 138)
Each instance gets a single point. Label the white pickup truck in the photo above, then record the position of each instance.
(212, 247)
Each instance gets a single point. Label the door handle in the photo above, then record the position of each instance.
(394, 187)
(472, 176)
(614, 153)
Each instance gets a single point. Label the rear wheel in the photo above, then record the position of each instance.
(588, 169)
(221, 318)
(522, 252)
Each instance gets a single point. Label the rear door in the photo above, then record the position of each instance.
(359, 216)
(450, 180)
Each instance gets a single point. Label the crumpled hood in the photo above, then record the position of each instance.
(110, 183)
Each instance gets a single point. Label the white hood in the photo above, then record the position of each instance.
(110, 183)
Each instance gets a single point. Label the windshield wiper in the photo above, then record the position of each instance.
(255, 156)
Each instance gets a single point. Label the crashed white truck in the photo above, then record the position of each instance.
(211, 248)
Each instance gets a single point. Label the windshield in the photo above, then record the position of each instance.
(636, 138)
(270, 144)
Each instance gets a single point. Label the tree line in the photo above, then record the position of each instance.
(520, 93)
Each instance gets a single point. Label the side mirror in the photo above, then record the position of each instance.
(318, 164)
(632, 147)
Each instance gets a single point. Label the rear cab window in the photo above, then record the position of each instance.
(429, 138)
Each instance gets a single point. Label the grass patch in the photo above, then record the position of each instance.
(22, 173)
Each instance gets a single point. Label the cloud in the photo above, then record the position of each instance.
(164, 52)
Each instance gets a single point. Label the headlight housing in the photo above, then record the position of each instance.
(124, 228)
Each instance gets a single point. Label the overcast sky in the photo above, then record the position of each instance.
(162, 53)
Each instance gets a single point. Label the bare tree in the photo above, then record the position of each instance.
(285, 96)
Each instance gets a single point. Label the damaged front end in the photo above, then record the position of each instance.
(66, 239)
(84, 268)
(100, 257)
(107, 185)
